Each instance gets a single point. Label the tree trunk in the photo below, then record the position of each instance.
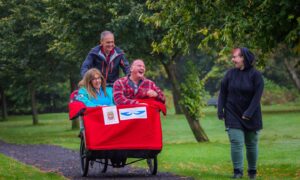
(3, 103)
(176, 103)
(73, 86)
(292, 71)
(195, 126)
(32, 91)
(194, 123)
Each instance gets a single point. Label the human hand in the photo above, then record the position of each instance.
(221, 117)
(152, 93)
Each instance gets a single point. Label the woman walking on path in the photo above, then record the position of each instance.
(239, 105)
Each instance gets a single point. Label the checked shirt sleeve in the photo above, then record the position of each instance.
(119, 96)
(161, 97)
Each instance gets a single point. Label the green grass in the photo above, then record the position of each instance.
(279, 148)
(52, 129)
(278, 153)
(12, 169)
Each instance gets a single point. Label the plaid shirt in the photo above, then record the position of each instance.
(124, 93)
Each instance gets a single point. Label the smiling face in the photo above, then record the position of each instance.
(137, 70)
(96, 81)
(238, 59)
(108, 43)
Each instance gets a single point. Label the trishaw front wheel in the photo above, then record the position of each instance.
(84, 161)
(152, 164)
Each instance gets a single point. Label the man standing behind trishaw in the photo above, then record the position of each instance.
(108, 59)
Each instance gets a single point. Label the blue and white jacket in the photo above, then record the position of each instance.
(90, 101)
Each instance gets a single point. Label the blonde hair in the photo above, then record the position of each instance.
(87, 82)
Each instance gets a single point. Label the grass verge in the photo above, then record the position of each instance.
(12, 169)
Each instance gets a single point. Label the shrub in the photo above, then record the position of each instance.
(275, 94)
(169, 99)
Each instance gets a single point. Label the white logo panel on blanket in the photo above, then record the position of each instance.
(133, 113)
(110, 115)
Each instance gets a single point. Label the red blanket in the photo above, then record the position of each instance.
(76, 108)
(123, 127)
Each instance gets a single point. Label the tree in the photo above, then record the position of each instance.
(292, 66)
(76, 26)
(25, 48)
(218, 26)
(260, 25)
(285, 57)
(181, 23)
(3, 104)
(264, 26)
(4, 51)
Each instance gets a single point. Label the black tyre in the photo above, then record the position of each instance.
(103, 165)
(84, 161)
(152, 164)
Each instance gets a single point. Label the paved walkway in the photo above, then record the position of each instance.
(67, 163)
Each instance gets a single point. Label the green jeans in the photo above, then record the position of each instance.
(238, 139)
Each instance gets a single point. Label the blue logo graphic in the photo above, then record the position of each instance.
(139, 112)
(135, 113)
(126, 114)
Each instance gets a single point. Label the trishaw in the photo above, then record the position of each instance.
(112, 134)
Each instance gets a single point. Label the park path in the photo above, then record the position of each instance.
(66, 162)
